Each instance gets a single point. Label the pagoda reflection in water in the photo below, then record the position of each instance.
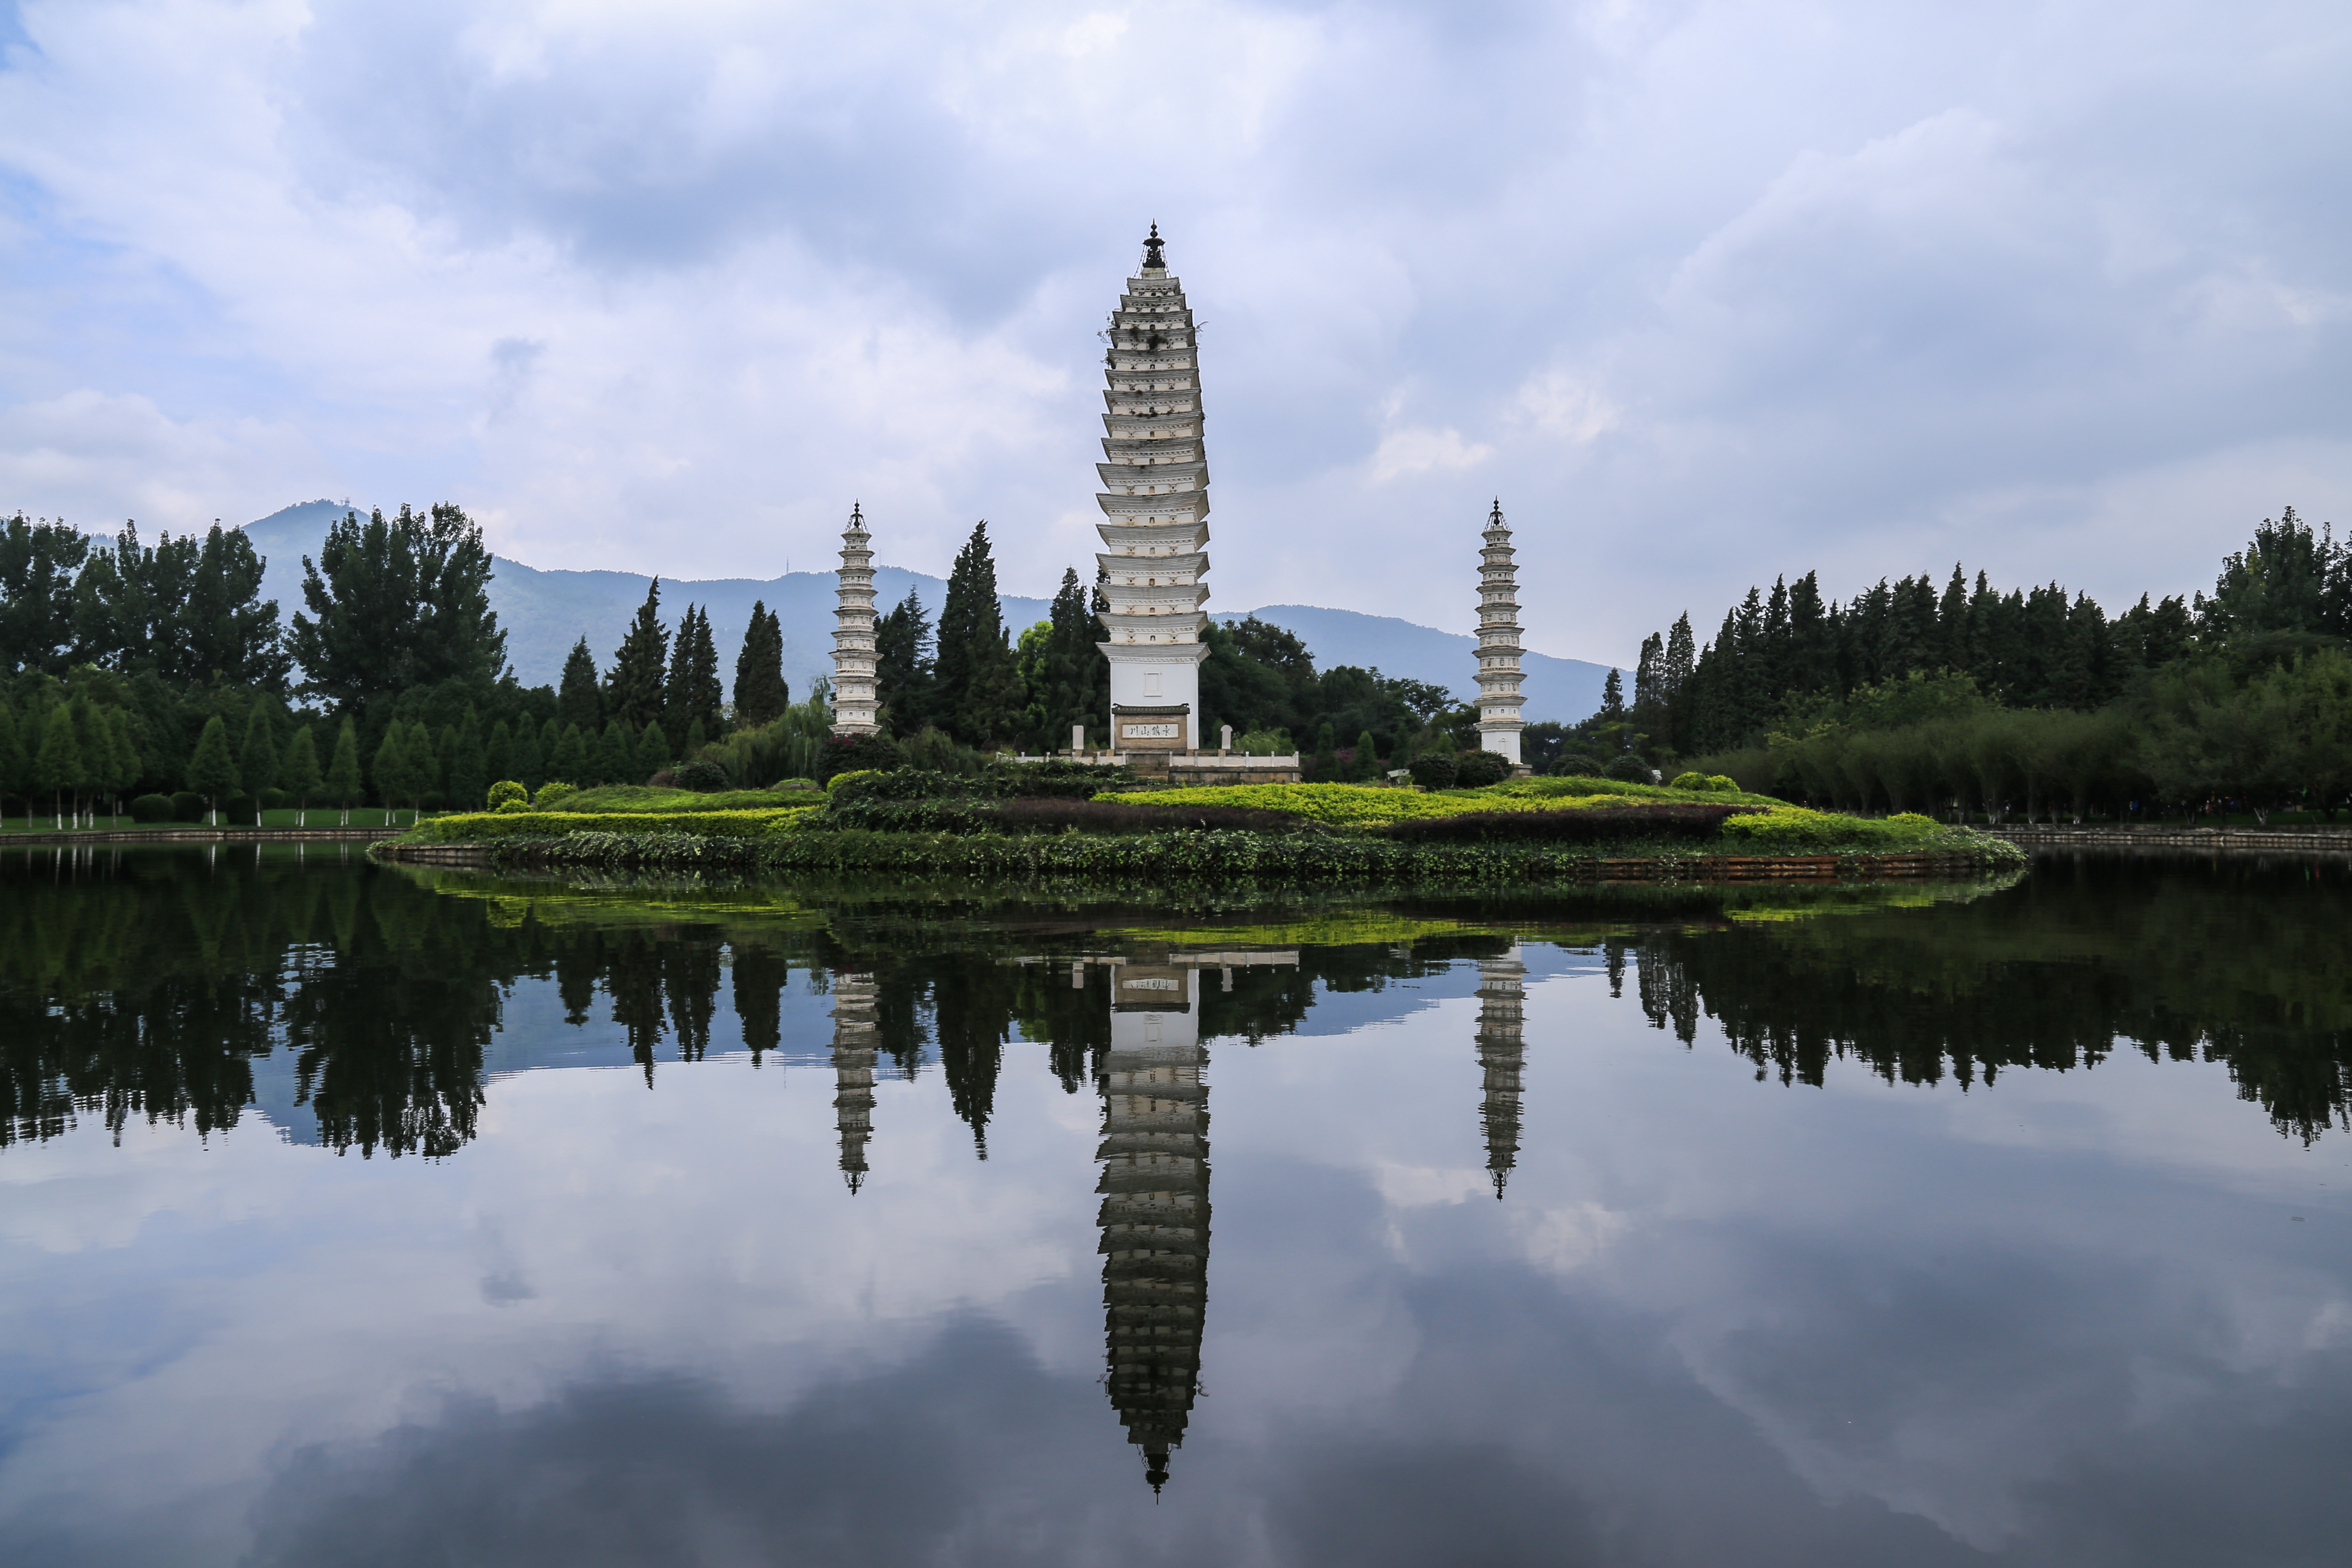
(855, 1041)
(1155, 1188)
(1502, 1051)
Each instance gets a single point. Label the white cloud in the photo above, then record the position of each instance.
(1417, 451)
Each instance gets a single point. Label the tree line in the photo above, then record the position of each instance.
(1977, 702)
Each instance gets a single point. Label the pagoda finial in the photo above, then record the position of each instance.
(1152, 260)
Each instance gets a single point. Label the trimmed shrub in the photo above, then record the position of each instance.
(275, 800)
(1036, 815)
(1687, 781)
(1600, 824)
(1476, 770)
(856, 754)
(152, 808)
(552, 794)
(1715, 784)
(1575, 765)
(241, 810)
(187, 805)
(1722, 783)
(1628, 767)
(1434, 772)
(512, 808)
(702, 778)
(506, 790)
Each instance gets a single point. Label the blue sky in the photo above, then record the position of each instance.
(1705, 291)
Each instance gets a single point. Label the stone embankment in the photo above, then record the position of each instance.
(207, 836)
(1641, 868)
(2203, 840)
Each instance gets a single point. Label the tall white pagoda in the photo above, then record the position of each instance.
(1155, 504)
(1498, 642)
(853, 698)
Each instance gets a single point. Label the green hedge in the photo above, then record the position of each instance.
(1214, 853)
(487, 827)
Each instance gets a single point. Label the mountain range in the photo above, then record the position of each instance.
(544, 612)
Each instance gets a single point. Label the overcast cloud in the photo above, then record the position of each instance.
(1705, 291)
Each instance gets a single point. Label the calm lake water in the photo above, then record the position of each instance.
(360, 1215)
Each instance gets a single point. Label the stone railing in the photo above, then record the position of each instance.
(2299, 840)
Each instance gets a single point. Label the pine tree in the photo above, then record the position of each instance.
(761, 694)
(90, 738)
(298, 772)
(344, 784)
(123, 763)
(1366, 765)
(653, 754)
(692, 694)
(632, 692)
(212, 772)
(903, 666)
(390, 767)
(257, 760)
(1612, 698)
(579, 700)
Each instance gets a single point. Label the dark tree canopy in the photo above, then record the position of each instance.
(692, 695)
(761, 694)
(580, 698)
(639, 679)
(396, 603)
(903, 666)
(980, 696)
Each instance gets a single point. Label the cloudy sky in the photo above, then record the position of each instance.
(1706, 291)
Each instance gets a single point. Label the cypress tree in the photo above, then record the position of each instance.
(211, 771)
(344, 784)
(652, 755)
(634, 691)
(616, 754)
(579, 700)
(979, 682)
(467, 781)
(761, 694)
(1368, 761)
(121, 758)
(298, 772)
(497, 751)
(692, 694)
(904, 675)
(526, 763)
(97, 755)
(1612, 698)
(568, 762)
(389, 768)
(438, 754)
(256, 761)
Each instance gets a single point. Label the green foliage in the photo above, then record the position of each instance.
(298, 769)
(761, 694)
(487, 827)
(212, 772)
(580, 700)
(58, 768)
(903, 673)
(634, 691)
(980, 694)
(1434, 772)
(506, 790)
(1477, 769)
(552, 794)
(256, 759)
(150, 809)
(692, 696)
(38, 562)
(395, 603)
(653, 754)
(343, 783)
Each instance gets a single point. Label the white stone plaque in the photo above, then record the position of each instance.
(1149, 731)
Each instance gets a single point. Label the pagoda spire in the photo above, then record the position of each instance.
(853, 711)
(1499, 701)
(1155, 505)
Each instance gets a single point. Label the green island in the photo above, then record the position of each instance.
(1064, 818)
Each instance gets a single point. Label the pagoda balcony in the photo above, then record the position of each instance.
(1123, 546)
(1153, 450)
(1185, 426)
(1185, 401)
(1166, 379)
(1182, 506)
(1131, 570)
(1161, 478)
(1152, 601)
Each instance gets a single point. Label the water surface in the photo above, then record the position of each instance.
(357, 1215)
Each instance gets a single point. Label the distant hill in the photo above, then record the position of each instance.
(545, 612)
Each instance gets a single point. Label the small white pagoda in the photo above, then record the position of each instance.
(853, 696)
(1155, 504)
(1499, 701)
